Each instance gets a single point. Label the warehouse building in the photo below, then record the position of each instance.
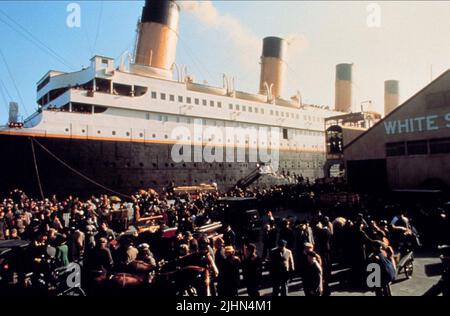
(409, 148)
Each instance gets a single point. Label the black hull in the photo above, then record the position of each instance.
(124, 167)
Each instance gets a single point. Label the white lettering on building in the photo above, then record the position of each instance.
(416, 124)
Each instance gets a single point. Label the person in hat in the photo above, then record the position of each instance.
(191, 242)
(229, 236)
(281, 267)
(105, 232)
(252, 270)
(229, 276)
(145, 254)
(62, 251)
(313, 276)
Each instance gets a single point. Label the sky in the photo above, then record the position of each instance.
(402, 40)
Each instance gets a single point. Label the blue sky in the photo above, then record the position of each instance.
(225, 37)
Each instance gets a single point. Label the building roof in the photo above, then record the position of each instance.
(447, 72)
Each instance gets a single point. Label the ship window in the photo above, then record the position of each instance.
(219, 105)
(99, 132)
(256, 110)
(180, 98)
(154, 135)
(188, 100)
(114, 132)
(67, 129)
(230, 106)
(139, 91)
(147, 116)
(282, 114)
(250, 109)
(271, 112)
(43, 83)
(440, 146)
(141, 135)
(177, 119)
(81, 108)
(276, 113)
(197, 101)
(244, 108)
(83, 131)
(103, 85)
(172, 97)
(204, 102)
(163, 96)
(53, 94)
(237, 107)
(99, 109)
(211, 103)
(127, 133)
(153, 95)
(122, 89)
(262, 111)
(160, 118)
(166, 136)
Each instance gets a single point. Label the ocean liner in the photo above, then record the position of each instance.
(111, 126)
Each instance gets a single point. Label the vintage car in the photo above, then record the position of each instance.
(241, 214)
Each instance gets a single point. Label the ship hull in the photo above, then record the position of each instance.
(70, 165)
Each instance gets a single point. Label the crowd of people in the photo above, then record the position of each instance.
(90, 233)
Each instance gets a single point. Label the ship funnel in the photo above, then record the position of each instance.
(13, 112)
(391, 95)
(158, 37)
(272, 66)
(343, 100)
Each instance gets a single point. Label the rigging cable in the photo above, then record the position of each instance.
(197, 63)
(36, 169)
(99, 21)
(33, 39)
(14, 83)
(79, 173)
(3, 87)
